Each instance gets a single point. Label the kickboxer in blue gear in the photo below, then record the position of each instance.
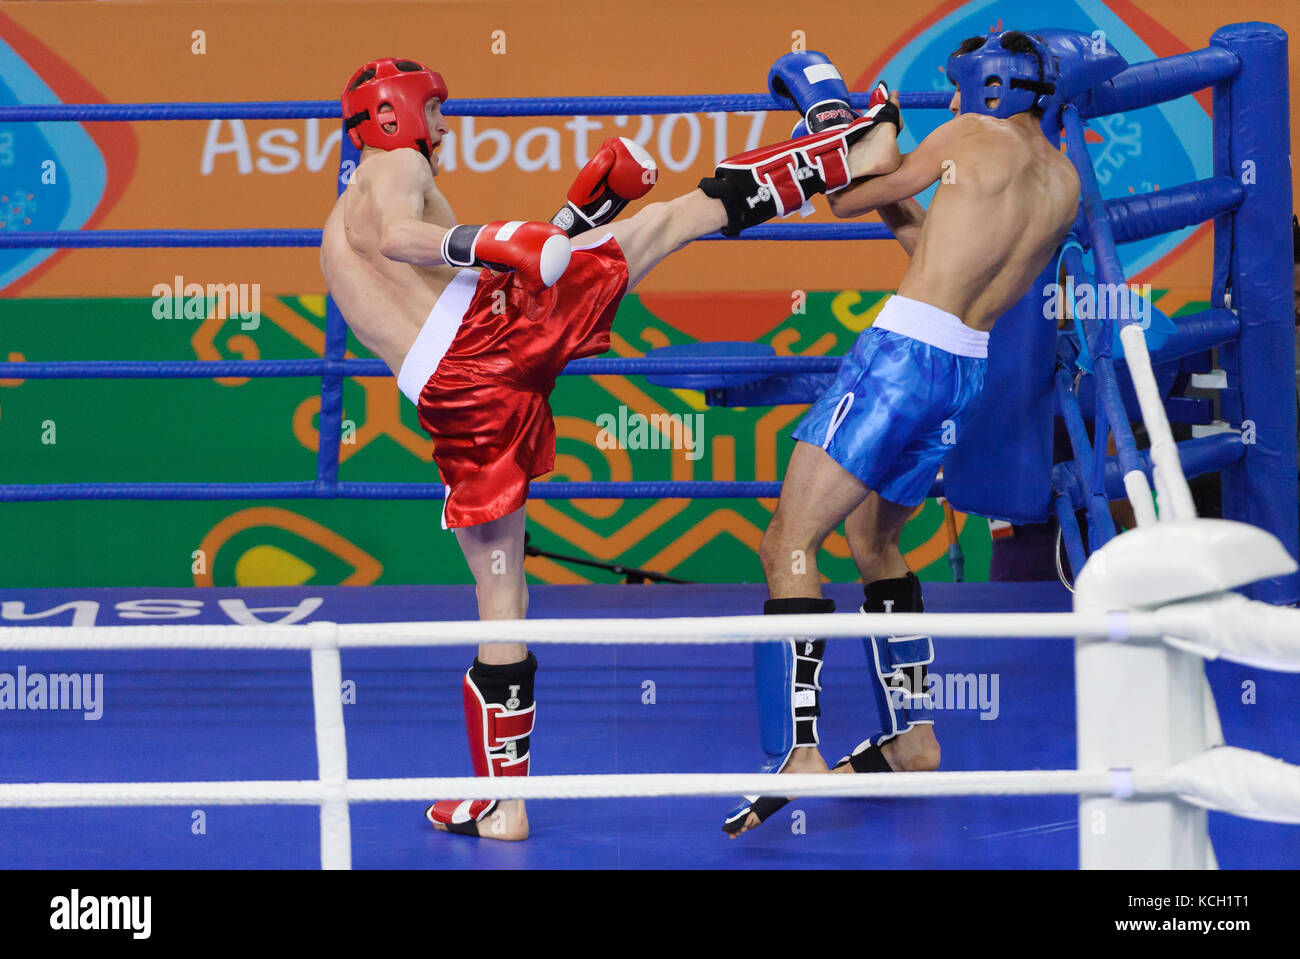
(868, 451)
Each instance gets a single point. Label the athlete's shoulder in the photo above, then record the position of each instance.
(975, 131)
(405, 167)
(1067, 172)
(975, 125)
(985, 152)
(1065, 181)
(974, 137)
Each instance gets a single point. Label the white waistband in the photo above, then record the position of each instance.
(929, 324)
(434, 338)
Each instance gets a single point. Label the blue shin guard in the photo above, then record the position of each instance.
(786, 676)
(898, 668)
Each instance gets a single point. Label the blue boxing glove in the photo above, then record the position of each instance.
(809, 82)
(879, 108)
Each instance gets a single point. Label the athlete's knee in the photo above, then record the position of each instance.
(870, 546)
(787, 550)
(769, 553)
(874, 553)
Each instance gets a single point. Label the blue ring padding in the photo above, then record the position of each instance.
(1070, 534)
(330, 420)
(1159, 81)
(211, 369)
(1108, 270)
(498, 107)
(100, 239)
(1204, 454)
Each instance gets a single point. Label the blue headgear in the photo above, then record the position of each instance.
(1022, 79)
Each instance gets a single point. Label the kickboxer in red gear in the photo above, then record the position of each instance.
(477, 321)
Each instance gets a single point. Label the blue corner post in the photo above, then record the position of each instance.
(336, 345)
(1252, 145)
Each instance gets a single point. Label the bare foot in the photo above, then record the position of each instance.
(875, 153)
(805, 760)
(508, 822)
(916, 751)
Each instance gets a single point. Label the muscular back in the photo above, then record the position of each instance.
(384, 301)
(1006, 201)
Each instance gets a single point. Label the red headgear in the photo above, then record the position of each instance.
(391, 91)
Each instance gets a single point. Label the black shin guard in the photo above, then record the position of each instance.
(899, 595)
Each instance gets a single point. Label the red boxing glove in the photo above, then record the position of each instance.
(778, 180)
(621, 171)
(538, 252)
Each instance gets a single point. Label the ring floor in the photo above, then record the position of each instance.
(178, 715)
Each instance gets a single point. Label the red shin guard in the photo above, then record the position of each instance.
(499, 715)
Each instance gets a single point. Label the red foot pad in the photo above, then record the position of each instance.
(779, 180)
(462, 813)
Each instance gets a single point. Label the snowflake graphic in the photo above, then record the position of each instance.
(1122, 139)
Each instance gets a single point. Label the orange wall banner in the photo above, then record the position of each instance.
(265, 174)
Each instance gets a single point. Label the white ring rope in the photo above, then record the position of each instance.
(611, 786)
(1233, 780)
(1229, 625)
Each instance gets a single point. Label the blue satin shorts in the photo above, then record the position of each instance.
(900, 399)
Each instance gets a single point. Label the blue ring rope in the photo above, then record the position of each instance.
(679, 489)
(498, 107)
(102, 239)
(212, 369)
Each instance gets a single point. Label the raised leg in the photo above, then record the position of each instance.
(659, 229)
(876, 153)
(663, 228)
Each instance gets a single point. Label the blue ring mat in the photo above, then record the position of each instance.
(222, 715)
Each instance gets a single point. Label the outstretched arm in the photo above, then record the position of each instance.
(920, 168)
